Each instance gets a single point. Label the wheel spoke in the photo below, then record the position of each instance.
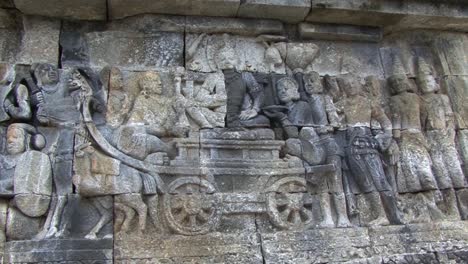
(193, 221)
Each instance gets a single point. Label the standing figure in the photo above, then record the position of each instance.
(438, 122)
(363, 150)
(415, 161)
(118, 104)
(325, 119)
(58, 106)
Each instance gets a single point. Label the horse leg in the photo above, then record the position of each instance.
(56, 217)
(106, 217)
(129, 214)
(136, 202)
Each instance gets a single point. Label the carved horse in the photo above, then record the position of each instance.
(98, 175)
(110, 172)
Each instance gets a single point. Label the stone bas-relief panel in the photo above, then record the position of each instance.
(256, 151)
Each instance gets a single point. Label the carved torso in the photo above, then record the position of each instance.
(406, 111)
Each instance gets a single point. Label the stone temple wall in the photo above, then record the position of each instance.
(233, 131)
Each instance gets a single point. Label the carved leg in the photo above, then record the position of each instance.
(377, 206)
(430, 199)
(129, 214)
(325, 208)
(136, 202)
(48, 222)
(56, 217)
(390, 202)
(199, 118)
(341, 212)
(450, 204)
(106, 217)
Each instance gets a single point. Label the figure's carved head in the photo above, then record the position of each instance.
(227, 57)
(116, 79)
(373, 86)
(150, 83)
(425, 78)
(312, 83)
(21, 136)
(75, 81)
(273, 56)
(399, 83)
(46, 74)
(349, 84)
(287, 90)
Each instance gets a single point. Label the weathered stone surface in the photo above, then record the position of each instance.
(21, 227)
(187, 144)
(212, 248)
(76, 9)
(40, 41)
(339, 32)
(288, 11)
(61, 251)
(238, 26)
(10, 34)
(124, 8)
(7, 4)
(397, 15)
(329, 245)
(122, 47)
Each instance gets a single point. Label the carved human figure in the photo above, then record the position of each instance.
(154, 110)
(118, 103)
(17, 106)
(206, 103)
(25, 172)
(324, 119)
(415, 160)
(363, 150)
(244, 94)
(292, 113)
(153, 116)
(438, 122)
(59, 106)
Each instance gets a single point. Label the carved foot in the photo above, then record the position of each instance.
(381, 221)
(51, 232)
(343, 223)
(326, 223)
(91, 236)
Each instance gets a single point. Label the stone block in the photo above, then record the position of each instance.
(60, 251)
(397, 14)
(124, 8)
(291, 11)
(21, 227)
(238, 26)
(339, 57)
(356, 12)
(7, 4)
(128, 45)
(40, 41)
(8, 19)
(211, 248)
(339, 32)
(327, 246)
(74, 9)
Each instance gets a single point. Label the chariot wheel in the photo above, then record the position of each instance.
(191, 206)
(289, 206)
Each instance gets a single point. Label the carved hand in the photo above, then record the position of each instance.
(248, 114)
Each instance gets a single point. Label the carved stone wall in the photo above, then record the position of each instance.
(183, 139)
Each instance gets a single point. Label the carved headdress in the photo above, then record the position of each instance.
(397, 67)
(423, 67)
